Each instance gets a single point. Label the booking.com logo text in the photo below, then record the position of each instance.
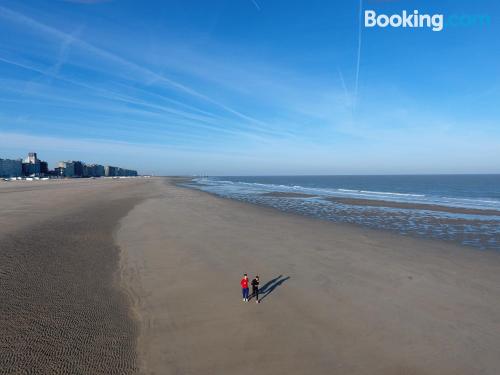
(435, 22)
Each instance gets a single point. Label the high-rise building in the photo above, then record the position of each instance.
(44, 168)
(11, 168)
(99, 170)
(31, 165)
(78, 166)
(93, 170)
(67, 168)
(110, 171)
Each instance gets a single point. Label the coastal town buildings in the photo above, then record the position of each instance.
(31, 166)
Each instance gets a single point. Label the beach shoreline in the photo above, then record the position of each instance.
(458, 223)
(353, 300)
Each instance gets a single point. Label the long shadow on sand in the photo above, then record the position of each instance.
(271, 285)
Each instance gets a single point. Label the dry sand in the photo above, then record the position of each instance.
(349, 300)
(344, 300)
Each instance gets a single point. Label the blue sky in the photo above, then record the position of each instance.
(249, 87)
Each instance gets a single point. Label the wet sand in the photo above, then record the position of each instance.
(280, 194)
(389, 204)
(341, 299)
(412, 206)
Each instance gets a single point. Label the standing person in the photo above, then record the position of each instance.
(244, 287)
(255, 289)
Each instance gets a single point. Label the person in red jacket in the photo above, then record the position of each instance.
(244, 287)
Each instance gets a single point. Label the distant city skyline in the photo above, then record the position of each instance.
(249, 87)
(33, 166)
(53, 164)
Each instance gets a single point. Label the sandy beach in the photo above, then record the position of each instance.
(345, 301)
(62, 310)
(142, 276)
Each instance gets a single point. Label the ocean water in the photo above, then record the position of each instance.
(479, 192)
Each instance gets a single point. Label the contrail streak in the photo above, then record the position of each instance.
(256, 5)
(208, 122)
(342, 81)
(359, 53)
(104, 54)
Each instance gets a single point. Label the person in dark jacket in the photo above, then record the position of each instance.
(255, 289)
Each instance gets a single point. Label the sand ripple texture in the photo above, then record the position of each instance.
(60, 309)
